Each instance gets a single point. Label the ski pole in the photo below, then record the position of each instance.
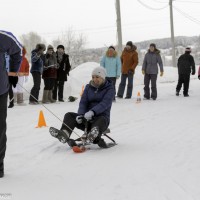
(85, 131)
(11, 100)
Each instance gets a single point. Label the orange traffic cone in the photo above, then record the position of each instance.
(41, 120)
(138, 98)
(82, 90)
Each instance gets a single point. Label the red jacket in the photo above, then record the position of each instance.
(24, 67)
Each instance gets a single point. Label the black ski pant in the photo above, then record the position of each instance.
(3, 138)
(70, 120)
(58, 89)
(36, 86)
(147, 79)
(122, 85)
(49, 83)
(113, 80)
(185, 80)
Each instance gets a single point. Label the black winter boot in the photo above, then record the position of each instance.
(1, 170)
(11, 105)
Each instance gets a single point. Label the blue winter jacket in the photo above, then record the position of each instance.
(112, 65)
(36, 62)
(99, 100)
(11, 46)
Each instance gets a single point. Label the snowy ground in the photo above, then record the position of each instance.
(157, 156)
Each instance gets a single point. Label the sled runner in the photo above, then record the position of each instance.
(79, 145)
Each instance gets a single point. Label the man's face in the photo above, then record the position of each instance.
(152, 48)
(60, 50)
(128, 47)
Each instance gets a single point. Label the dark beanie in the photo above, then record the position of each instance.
(152, 45)
(129, 43)
(188, 49)
(111, 47)
(41, 47)
(61, 46)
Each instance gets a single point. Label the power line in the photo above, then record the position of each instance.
(187, 1)
(106, 29)
(187, 16)
(177, 1)
(151, 8)
(159, 1)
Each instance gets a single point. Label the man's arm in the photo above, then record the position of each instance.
(13, 48)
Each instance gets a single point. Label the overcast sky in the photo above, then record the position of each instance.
(96, 19)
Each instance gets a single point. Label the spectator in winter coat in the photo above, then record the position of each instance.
(11, 46)
(185, 66)
(150, 71)
(94, 106)
(129, 59)
(49, 74)
(112, 63)
(22, 77)
(62, 72)
(36, 71)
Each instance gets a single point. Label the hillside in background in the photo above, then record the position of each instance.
(163, 44)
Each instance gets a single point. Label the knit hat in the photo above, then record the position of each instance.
(129, 43)
(99, 71)
(152, 45)
(111, 47)
(60, 47)
(188, 49)
(40, 47)
(49, 47)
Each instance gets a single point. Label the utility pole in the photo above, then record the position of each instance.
(172, 33)
(119, 27)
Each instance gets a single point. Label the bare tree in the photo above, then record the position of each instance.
(30, 40)
(74, 45)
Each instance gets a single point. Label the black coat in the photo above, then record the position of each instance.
(64, 68)
(186, 64)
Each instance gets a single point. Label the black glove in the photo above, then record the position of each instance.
(13, 80)
(193, 73)
(199, 77)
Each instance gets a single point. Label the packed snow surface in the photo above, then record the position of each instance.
(157, 156)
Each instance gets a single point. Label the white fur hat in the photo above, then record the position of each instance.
(99, 71)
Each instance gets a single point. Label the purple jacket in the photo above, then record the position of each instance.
(99, 100)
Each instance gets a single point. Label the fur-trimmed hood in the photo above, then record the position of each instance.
(133, 48)
(157, 51)
(114, 54)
